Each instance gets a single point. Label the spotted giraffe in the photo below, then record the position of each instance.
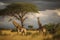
(19, 28)
(41, 28)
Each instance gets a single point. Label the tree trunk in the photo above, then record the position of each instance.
(17, 31)
(22, 22)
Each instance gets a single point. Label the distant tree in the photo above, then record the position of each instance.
(30, 27)
(58, 28)
(19, 10)
(56, 35)
(52, 28)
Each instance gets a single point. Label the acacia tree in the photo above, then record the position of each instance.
(52, 28)
(19, 10)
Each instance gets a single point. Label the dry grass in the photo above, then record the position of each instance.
(33, 36)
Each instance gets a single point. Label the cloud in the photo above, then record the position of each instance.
(3, 5)
(47, 16)
(58, 11)
(40, 14)
(52, 16)
(41, 4)
(52, 0)
(29, 0)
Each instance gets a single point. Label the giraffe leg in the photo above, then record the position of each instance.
(18, 31)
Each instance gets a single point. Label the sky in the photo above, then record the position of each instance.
(48, 12)
(41, 4)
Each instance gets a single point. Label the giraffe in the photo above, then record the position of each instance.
(41, 28)
(19, 27)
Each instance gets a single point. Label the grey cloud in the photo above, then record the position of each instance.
(29, 0)
(3, 5)
(52, 0)
(41, 4)
(52, 17)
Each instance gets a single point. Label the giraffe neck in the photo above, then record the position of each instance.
(17, 25)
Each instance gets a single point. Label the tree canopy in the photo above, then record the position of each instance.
(19, 10)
